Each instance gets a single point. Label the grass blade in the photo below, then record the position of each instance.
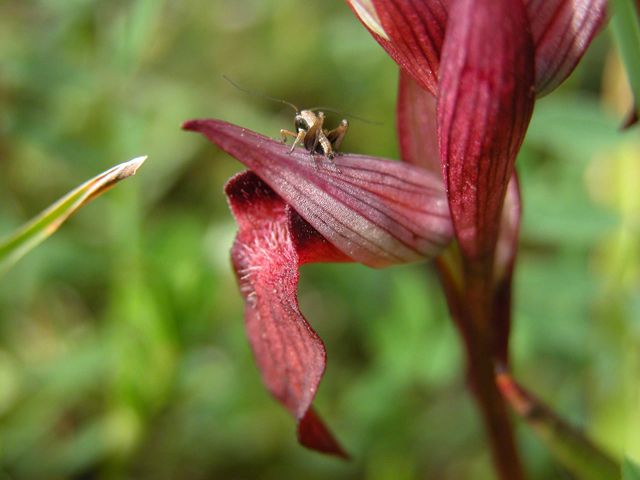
(19, 243)
(570, 447)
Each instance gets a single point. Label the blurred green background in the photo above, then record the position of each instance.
(122, 349)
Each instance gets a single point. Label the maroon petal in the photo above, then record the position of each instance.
(377, 212)
(485, 101)
(266, 256)
(416, 125)
(414, 32)
(562, 31)
(506, 251)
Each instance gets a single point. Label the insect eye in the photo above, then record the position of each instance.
(301, 123)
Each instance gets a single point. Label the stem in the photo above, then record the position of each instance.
(470, 301)
(479, 297)
(496, 418)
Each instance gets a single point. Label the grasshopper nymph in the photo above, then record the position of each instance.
(309, 132)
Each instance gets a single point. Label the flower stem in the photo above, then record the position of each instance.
(470, 301)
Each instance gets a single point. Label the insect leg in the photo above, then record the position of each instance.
(299, 138)
(312, 138)
(284, 134)
(336, 136)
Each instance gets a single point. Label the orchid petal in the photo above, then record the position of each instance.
(506, 251)
(416, 125)
(414, 32)
(290, 355)
(377, 212)
(485, 101)
(367, 14)
(562, 31)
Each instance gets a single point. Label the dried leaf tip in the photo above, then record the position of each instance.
(130, 168)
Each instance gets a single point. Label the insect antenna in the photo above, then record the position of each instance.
(260, 95)
(329, 109)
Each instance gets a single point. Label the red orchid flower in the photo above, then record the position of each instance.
(470, 70)
(291, 212)
(484, 60)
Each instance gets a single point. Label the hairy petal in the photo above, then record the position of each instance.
(485, 101)
(562, 31)
(413, 34)
(377, 212)
(266, 256)
(416, 125)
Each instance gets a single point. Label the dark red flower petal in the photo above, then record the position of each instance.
(485, 101)
(414, 34)
(562, 31)
(266, 256)
(506, 252)
(377, 212)
(416, 125)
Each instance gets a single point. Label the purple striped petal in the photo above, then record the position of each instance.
(562, 31)
(377, 212)
(485, 101)
(413, 33)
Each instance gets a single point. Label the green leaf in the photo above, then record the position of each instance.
(630, 470)
(626, 23)
(19, 243)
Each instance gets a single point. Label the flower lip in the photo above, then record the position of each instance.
(271, 244)
(378, 212)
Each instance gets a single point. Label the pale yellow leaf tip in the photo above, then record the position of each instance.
(131, 167)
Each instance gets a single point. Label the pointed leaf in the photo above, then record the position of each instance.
(485, 101)
(626, 23)
(14, 247)
(377, 212)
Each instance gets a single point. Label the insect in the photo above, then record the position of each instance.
(309, 131)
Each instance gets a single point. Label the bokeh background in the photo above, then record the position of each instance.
(122, 350)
